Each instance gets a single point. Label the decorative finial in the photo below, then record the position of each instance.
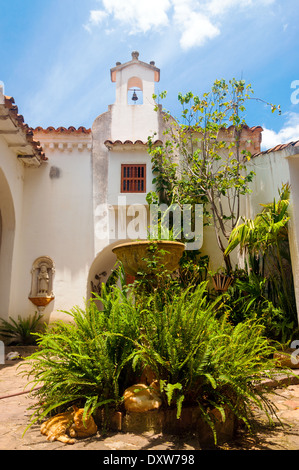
(135, 55)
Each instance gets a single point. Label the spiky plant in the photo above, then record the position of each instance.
(83, 361)
(20, 331)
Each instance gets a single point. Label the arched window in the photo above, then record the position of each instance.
(135, 91)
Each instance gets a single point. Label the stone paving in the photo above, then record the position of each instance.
(15, 415)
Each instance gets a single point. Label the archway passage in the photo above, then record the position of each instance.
(103, 266)
(7, 236)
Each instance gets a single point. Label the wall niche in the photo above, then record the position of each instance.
(42, 274)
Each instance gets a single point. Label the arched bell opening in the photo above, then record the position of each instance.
(135, 91)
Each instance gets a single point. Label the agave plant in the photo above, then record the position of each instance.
(21, 331)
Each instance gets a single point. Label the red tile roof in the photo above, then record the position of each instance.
(251, 129)
(113, 143)
(277, 148)
(63, 130)
(18, 120)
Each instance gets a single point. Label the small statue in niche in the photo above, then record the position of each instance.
(42, 274)
(43, 281)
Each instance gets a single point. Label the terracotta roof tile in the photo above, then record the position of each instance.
(245, 127)
(63, 130)
(18, 119)
(113, 143)
(277, 148)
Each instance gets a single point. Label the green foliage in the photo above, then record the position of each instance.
(202, 159)
(20, 331)
(248, 298)
(197, 357)
(269, 287)
(193, 269)
(83, 361)
(200, 358)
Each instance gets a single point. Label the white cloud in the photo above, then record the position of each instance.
(195, 20)
(288, 133)
(139, 16)
(95, 18)
(219, 7)
(195, 27)
(197, 30)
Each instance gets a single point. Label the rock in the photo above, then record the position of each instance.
(11, 356)
(287, 358)
(141, 398)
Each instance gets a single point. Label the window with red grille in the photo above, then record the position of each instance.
(133, 178)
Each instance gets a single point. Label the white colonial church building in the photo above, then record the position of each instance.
(67, 195)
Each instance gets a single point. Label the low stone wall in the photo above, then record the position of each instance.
(164, 421)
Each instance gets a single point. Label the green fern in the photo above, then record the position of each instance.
(198, 358)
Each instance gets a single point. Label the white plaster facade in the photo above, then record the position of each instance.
(60, 193)
(52, 199)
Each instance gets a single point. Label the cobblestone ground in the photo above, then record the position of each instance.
(15, 415)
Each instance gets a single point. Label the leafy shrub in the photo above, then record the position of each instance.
(20, 331)
(248, 298)
(269, 285)
(196, 357)
(83, 361)
(201, 359)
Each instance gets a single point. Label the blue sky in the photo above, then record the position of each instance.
(56, 55)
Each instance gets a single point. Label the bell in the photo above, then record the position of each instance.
(134, 97)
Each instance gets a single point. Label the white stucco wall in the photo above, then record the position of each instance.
(272, 171)
(57, 222)
(132, 156)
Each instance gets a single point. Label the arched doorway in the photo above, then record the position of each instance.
(102, 267)
(7, 236)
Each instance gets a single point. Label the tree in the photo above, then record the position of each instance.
(202, 159)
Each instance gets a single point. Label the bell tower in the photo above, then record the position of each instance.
(133, 114)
